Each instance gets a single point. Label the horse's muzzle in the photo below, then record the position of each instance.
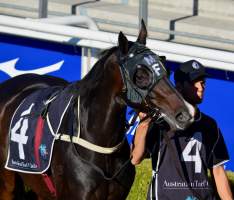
(184, 119)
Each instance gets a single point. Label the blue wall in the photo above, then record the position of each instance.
(219, 103)
(35, 54)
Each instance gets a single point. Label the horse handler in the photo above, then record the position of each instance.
(181, 159)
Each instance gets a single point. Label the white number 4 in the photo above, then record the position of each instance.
(195, 141)
(22, 126)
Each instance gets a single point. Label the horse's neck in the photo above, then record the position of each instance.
(102, 117)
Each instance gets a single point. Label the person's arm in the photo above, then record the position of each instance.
(222, 183)
(138, 148)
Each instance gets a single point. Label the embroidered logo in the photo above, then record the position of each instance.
(195, 65)
(43, 151)
(191, 198)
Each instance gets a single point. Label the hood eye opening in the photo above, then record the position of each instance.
(142, 77)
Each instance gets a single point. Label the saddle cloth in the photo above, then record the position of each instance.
(33, 128)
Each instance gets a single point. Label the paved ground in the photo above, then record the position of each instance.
(211, 25)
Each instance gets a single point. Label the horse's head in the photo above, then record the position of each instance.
(146, 86)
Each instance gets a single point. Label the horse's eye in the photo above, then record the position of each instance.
(142, 77)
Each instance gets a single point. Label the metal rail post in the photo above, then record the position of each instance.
(143, 12)
(43, 9)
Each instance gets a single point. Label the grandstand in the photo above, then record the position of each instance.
(205, 23)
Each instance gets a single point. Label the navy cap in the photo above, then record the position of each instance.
(190, 71)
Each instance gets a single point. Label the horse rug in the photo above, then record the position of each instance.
(33, 128)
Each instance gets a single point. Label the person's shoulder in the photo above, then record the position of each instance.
(210, 129)
(208, 118)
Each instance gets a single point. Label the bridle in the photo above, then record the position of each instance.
(140, 55)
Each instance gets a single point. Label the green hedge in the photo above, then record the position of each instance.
(142, 180)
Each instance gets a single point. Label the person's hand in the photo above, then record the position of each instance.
(143, 126)
(138, 147)
(145, 123)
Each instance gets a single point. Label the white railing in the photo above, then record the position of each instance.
(89, 54)
(216, 59)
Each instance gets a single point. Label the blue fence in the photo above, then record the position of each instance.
(22, 54)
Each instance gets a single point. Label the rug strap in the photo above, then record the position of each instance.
(49, 184)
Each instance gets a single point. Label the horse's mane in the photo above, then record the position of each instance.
(94, 76)
(97, 70)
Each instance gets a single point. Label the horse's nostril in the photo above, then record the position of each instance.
(183, 116)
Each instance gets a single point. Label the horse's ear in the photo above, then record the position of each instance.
(123, 43)
(142, 34)
(163, 59)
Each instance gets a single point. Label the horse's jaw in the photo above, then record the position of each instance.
(175, 125)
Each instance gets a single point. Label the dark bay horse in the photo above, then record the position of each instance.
(97, 168)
